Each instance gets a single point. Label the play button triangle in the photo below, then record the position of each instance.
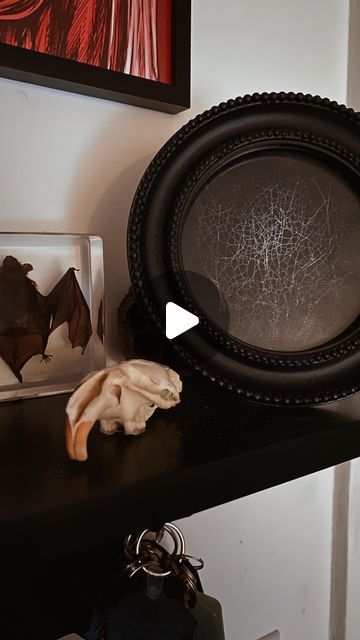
(178, 320)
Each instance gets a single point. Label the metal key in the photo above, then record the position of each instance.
(156, 561)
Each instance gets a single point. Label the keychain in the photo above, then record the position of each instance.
(168, 602)
(156, 594)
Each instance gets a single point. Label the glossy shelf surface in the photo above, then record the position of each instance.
(210, 449)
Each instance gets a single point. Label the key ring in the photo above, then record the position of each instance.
(177, 538)
(138, 564)
(129, 543)
(199, 562)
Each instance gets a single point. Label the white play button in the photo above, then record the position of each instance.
(178, 320)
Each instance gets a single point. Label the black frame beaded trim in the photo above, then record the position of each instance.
(310, 360)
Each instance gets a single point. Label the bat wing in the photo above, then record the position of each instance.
(66, 303)
(23, 320)
(16, 350)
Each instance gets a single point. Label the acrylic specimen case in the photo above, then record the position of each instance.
(51, 295)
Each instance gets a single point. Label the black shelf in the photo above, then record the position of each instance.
(212, 448)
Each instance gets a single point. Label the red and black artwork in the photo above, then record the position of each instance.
(130, 36)
(133, 51)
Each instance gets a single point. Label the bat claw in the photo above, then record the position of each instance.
(46, 358)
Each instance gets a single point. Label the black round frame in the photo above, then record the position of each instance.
(308, 123)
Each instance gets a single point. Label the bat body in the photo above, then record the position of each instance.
(27, 317)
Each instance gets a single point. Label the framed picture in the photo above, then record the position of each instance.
(249, 217)
(133, 51)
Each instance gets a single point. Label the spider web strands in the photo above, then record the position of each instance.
(275, 259)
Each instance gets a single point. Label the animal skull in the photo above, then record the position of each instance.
(126, 395)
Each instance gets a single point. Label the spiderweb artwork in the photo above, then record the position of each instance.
(279, 237)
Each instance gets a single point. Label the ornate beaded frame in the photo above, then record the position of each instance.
(309, 123)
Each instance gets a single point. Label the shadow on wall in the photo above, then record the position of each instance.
(102, 192)
(109, 220)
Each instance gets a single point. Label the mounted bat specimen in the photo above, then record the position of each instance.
(27, 318)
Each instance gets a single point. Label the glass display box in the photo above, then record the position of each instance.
(51, 312)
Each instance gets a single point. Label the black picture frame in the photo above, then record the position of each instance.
(257, 124)
(25, 65)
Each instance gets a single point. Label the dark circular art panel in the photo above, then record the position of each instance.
(257, 202)
(279, 236)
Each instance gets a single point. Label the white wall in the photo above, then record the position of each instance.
(72, 163)
(353, 609)
(353, 569)
(268, 559)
